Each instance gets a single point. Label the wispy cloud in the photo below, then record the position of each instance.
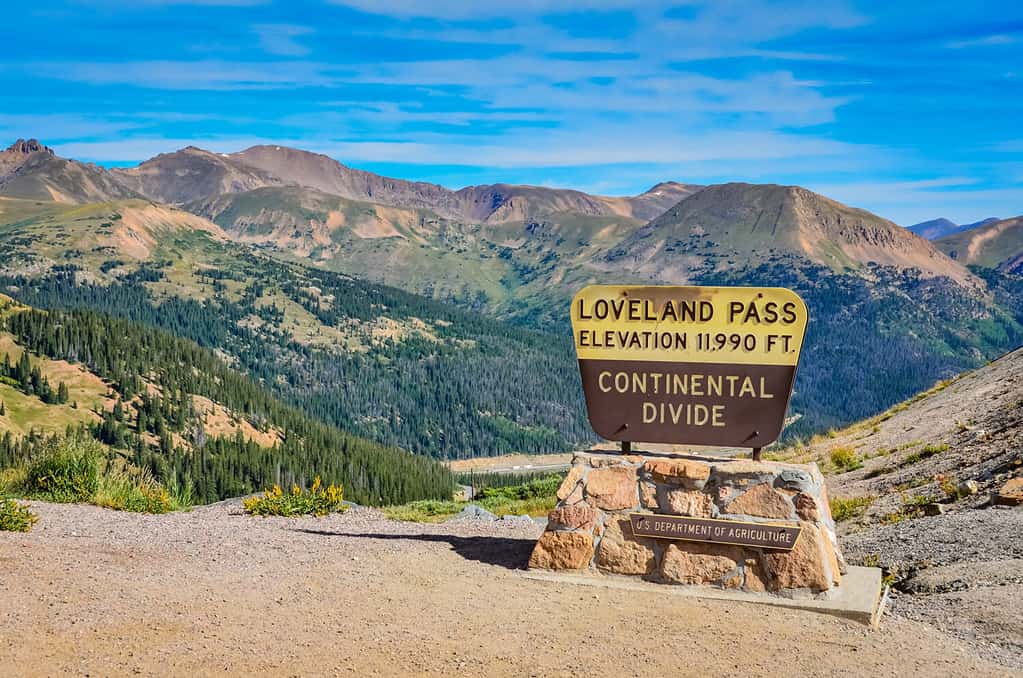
(281, 39)
(614, 95)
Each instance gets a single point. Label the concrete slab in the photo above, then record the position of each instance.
(861, 597)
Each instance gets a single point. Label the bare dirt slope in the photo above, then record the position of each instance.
(95, 592)
(948, 450)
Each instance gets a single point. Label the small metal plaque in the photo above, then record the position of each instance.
(737, 532)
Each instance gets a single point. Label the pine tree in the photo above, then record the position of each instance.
(62, 393)
(3, 410)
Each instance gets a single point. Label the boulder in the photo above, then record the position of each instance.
(577, 517)
(688, 503)
(806, 566)
(568, 485)
(620, 552)
(612, 489)
(762, 501)
(1011, 493)
(474, 512)
(688, 472)
(648, 495)
(699, 563)
(562, 551)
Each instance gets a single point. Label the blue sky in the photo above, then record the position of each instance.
(908, 109)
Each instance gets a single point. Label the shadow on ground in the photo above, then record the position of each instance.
(504, 552)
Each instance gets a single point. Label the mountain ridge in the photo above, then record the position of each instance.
(997, 245)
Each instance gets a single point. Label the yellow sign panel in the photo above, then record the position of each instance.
(688, 365)
(735, 325)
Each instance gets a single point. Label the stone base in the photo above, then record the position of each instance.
(861, 598)
(590, 530)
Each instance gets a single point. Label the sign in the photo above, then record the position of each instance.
(688, 365)
(762, 535)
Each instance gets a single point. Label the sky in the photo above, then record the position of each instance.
(911, 110)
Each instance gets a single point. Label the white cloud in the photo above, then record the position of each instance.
(191, 75)
(280, 39)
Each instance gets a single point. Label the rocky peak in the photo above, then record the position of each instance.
(24, 147)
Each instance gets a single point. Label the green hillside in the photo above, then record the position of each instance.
(156, 386)
(383, 363)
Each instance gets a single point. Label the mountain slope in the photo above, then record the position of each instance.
(32, 171)
(997, 244)
(177, 410)
(192, 174)
(318, 171)
(935, 228)
(382, 363)
(750, 223)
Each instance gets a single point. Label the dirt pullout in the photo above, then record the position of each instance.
(92, 591)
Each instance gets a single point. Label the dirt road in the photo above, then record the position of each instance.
(96, 592)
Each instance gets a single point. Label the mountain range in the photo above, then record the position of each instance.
(285, 262)
(938, 228)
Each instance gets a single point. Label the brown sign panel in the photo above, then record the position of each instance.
(688, 365)
(741, 533)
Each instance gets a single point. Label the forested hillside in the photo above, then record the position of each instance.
(157, 380)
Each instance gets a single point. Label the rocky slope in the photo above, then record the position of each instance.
(998, 244)
(929, 474)
(33, 171)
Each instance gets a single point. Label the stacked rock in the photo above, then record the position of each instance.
(590, 529)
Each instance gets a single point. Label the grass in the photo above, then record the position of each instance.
(847, 509)
(425, 511)
(135, 491)
(926, 452)
(536, 497)
(15, 517)
(316, 501)
(912, 508)
(76, 469)
(68, 473)
(24, 413)
(845, 459)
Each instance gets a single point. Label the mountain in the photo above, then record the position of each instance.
(273, 276)
(938, 228)
(376, 361)
(33, 171)
(191, 174)
(194, 175)
(748, 223)
(997, 244)
(982, 222)
(935, 228)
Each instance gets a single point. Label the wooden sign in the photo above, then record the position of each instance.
(688, 365)
(740, 533)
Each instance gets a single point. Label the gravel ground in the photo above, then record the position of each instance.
(962, 573)
(97, 592)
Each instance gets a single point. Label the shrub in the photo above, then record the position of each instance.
(423, 511)
(533, 489)
(845, 459)
(847, 509)
(14, 517)
(926, 452)
(67, 472)
(316, 501)
(135, 491)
